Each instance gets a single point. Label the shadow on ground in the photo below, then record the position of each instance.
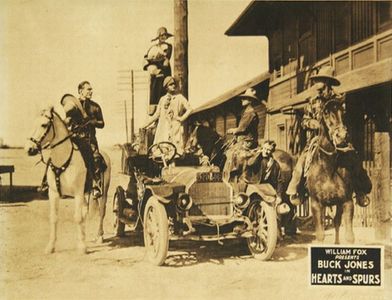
(130, 239)
(188, 253)
(20, 193)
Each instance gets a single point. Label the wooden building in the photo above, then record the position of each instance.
(355, 38)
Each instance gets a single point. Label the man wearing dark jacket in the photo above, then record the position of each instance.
(83, 116)
(246, 136)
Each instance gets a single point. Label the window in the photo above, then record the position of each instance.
(362, 20)
(342, 26)
(384, 10)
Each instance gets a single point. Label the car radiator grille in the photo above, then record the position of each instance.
(210, 198)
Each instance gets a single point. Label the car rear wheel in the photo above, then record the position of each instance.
(118, 206)
(265, 230)
(156, 231)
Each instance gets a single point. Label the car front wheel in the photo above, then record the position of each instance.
(156, 231)
(265, 230)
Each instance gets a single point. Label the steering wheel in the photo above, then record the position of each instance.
(162, 152)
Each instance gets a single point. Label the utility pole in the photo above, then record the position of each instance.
(126, 120)
(133, 108)
(130, 82)
(181, 45)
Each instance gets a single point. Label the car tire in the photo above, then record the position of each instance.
(118, 206)
(265, 232)
(156, 231)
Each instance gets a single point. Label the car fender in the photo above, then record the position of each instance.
(165, 191)
(264, 190)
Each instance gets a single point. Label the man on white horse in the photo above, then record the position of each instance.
(83, 116)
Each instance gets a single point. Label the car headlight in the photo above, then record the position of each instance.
(241, 201)
(184, 202)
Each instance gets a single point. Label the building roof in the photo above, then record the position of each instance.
(233, 92)
(260, 17)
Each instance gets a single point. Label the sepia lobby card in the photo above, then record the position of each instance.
(192, 123)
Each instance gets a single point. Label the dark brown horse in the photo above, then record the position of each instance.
(327, 182)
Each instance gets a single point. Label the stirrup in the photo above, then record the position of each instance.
(295, 199)
(96, 192)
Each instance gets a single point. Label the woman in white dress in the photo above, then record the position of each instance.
(173, 109)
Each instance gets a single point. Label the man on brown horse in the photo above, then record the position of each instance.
(322, 83)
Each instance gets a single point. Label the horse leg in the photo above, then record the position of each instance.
(80, 220)
(348, 214)
(102, 211)
(102, 200)
(337, 221)
(53, 217)
(318, 220)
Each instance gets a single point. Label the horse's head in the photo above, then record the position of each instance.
(192, 142)
(333, 113)
(43, 133)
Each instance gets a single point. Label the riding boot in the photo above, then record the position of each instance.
(362, 199)
(292, 189)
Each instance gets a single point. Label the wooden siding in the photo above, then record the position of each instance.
(384, 48)
(365, 64)
(220, 125)
(363, 56)
(335, 26)
(323, 31)
(231, 121)
(363, 20)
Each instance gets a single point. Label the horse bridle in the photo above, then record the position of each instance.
(38, 142)
(332, 131)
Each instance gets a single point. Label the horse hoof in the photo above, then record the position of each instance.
(350, 240)
(99, 240)
(49, 250)
(317, 242)
(82, 250)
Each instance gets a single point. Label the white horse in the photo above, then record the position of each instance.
(66, 174)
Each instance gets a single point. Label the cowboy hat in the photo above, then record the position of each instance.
(249, 94)
(69, 101)
(168, 80)
(162, 31)
(326, 73)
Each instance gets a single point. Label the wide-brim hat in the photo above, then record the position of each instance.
(249, 94)
(326, 73)
(162, 31)
(68, 98)
(168, 80)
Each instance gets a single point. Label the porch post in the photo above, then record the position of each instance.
(382, 195)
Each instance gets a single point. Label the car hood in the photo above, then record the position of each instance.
(185, 175)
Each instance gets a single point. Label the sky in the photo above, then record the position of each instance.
(47, 47)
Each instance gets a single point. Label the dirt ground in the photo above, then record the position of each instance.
(117, 269)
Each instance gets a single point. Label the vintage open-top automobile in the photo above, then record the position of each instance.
(177, 198)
